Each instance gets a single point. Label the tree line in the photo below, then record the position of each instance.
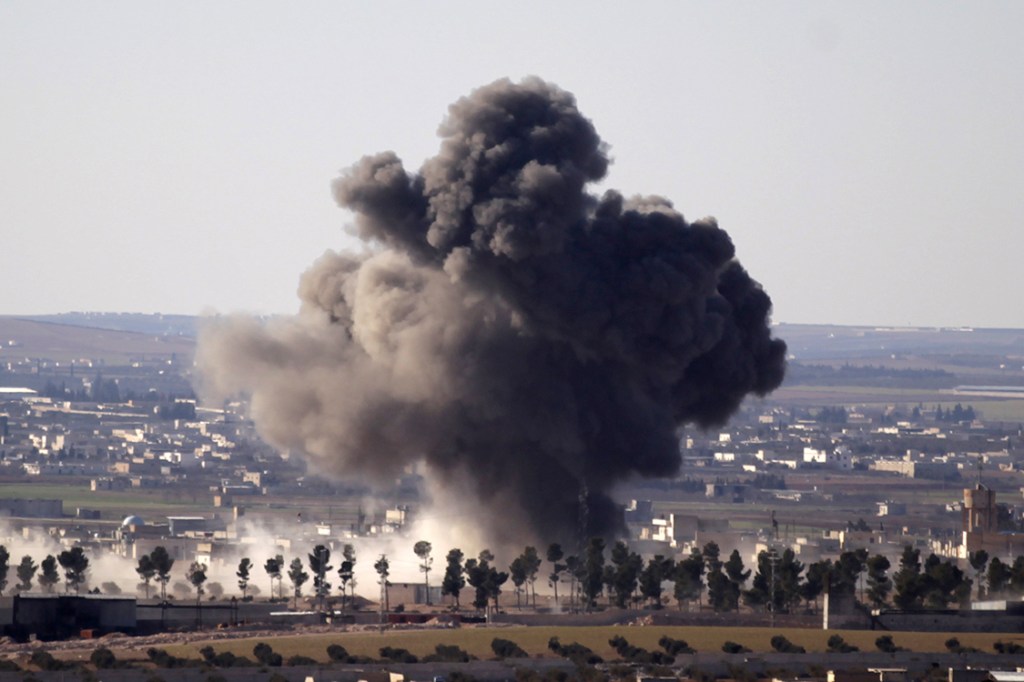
(778, 581)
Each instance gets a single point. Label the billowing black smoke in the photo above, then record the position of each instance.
(524, 338)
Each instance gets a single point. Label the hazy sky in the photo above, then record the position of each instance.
(866, 157)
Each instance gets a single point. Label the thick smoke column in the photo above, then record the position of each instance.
(523, 337)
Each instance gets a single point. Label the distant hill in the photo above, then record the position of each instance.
(834, 342)
(26, 338)
(143, 323)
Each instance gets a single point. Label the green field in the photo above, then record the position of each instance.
(112, 504)
(534, 640)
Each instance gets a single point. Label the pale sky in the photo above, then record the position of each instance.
(867, 158)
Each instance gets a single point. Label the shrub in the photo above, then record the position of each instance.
(397, 655)
(784, 646)
(635, 654)
(266, 655)
(44, 660)
(886, 645)
(1008, 648)
(300, 660)
(674, 647)
(836, 644)
(338, 653)
(9, 666)
(162, 659)
(448, 653)
(731, 647)
(504, 648)
(103, 658)
(953, 645)
(575, 652)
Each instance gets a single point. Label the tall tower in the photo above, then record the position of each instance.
(979, 512)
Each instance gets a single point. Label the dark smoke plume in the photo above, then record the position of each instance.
(526, 339)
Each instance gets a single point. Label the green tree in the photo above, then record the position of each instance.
(908, 584)
(720, 590)
(5, 567)
(453, 580)
(531, 563)
(273, 567)
(943, 582)
(346, 571)
(146, 571)
(298, 576)
(689, 574)
(879, 584)
(163, 563)
(75, 565)
(592, 571)
(477, 571)
(319, 565)
(978, 560)
(846, 572)
(997, 577)
(244, 567)
(574, 567)
(1017, 575)
(49, 576)
(622, 574)
(26, 571)
(788, 576)
(383, 569)
(196, 577)
(554, 556)
(814, 581)
(517, 572)
(655, 573)
(737, 575)
(422, 549)
(776, 582)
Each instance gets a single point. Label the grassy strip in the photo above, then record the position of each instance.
(534, 640)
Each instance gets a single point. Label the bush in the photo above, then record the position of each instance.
(448, 653)
(300, 660)
(9, 666)
(784, 646)
(838, 645)
(266, 655)
(162, 659)
(397, 655)
(103, 658)
(1008, 648)
(886, 645)
(953, 645)
(635, 654)
(338, 653)
(731, 647)
(575, 652)
(44, 660)
(224, 659)
(674, 647)
(504, 648)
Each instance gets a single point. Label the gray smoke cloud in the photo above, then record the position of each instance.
(520, 335)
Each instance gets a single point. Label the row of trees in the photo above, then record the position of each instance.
(73, 562)
(778, 581)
